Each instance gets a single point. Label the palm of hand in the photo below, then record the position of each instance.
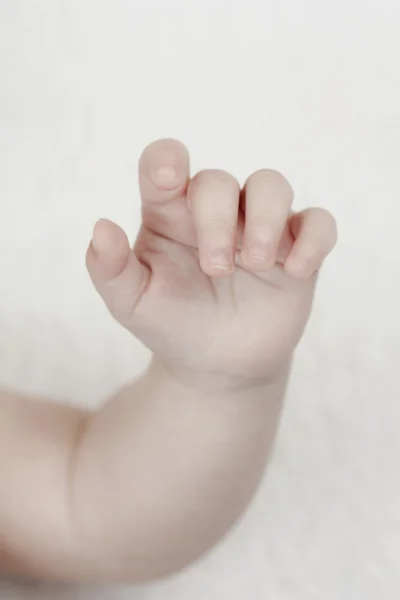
(241, 327)
(237, 321)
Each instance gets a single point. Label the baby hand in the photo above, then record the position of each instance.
(220, 282)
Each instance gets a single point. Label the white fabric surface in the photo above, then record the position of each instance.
(309, 87)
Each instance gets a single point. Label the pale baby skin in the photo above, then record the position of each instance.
(219, 286)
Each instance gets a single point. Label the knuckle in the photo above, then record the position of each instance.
(214, 177)
(273, 179)
(218, 222)
(325, 227)
(265, 219)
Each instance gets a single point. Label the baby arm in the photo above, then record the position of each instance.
(219, 286)
(136, 490)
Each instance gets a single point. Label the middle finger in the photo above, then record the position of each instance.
(267, 199)
(213, 198)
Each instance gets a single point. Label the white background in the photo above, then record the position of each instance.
(309, 87)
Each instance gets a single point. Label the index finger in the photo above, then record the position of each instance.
(163, 171)
(163, 181)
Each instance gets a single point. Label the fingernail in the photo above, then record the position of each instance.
(166, 176)
(258, 251)
(220, 259)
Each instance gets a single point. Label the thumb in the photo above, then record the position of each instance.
(118, 276)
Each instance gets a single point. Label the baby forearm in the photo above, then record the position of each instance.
(135, 491)
(37, 441)
(163, 471)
